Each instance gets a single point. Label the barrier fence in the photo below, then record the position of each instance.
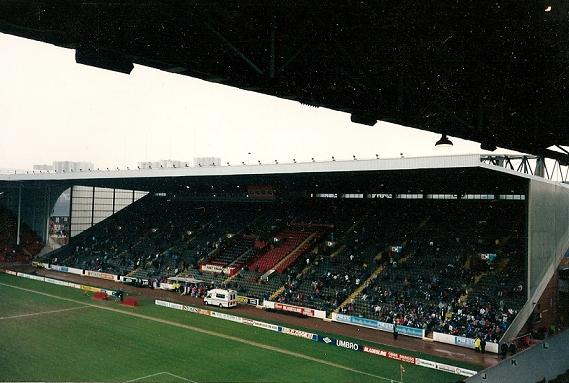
(91, 273)
(374, 324)
(463, 341)
(336, 342)
(60, 283)
(306, 311)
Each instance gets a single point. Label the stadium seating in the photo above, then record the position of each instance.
(232, 252)
(414, 262)
(434, 282)
(140, 240)
(30, 244)
(289, 241)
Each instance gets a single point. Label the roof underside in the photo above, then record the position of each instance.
(492, 72)
(427, 181)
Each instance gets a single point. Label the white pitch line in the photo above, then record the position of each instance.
(144, 377)
(208, 332)
(43, 312)
(161, 373)
(181, 377)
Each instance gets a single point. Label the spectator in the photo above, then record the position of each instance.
(512, 348)
(504, 350)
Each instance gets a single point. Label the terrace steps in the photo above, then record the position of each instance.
(291, 240)
(276, 293)
(304, 271)
(360, 288)
(363, 285)
(293, 255)
(133, 272)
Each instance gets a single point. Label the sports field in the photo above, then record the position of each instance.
(55, 333)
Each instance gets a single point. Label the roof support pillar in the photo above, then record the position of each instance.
(540, 166)
(19, 214)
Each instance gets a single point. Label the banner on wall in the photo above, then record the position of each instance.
(298, 333)
(100, 275)
(89, 288)
(349, 345)
(63, 269)
(383, 326)
(247, 300)
(29, 276)
(218, 269)
(56, 282)
(133, 280)
(444, 367)
(462, 341)
(306, 311)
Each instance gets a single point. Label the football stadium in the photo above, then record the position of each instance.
(364, 270)
(446, 268)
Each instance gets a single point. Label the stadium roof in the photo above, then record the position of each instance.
(452, 174)
(491, 72)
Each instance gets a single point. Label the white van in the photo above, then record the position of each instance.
(221, 298)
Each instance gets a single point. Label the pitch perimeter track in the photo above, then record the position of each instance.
(318, 325)
(206, 332)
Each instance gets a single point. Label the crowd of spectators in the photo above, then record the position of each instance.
(434, 283)
(11, 252)
(426, 257)
(155, 236)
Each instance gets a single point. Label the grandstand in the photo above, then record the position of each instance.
(373, 242)
(13, 249)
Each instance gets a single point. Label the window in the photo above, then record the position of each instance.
(513, 197)
(326, 195)
(442, 196)
(220, 296)
(380, 195)
(409, 196)
(352, 196)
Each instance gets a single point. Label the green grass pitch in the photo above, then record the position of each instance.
(69, 337)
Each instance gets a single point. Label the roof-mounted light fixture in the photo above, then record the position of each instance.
(489, 146)
(444, 142)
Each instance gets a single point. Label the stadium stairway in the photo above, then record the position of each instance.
(292, 240)
(276, 294)
(363, 285)
(358, 291)
(297, 252)
(133, 272)
(334, 254)
(304, 271)
(230, 278)
(500, 267)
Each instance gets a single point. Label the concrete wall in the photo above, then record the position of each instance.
(548, 230)
(548, 241)
(548, 304)
(36, 204)
(547, 360)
